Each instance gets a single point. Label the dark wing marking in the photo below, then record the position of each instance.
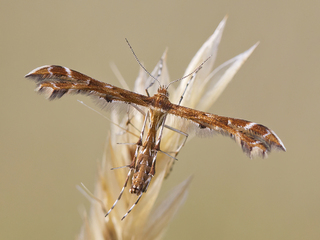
(255, 139)
(57, 81)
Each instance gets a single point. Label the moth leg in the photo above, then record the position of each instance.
(186, 135)
(132, 167)
(139, 142)
(132, 206)
(151, 174)
(157, 146)
(121, 192)
(130, 118)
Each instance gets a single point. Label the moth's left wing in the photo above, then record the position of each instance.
(255, 139)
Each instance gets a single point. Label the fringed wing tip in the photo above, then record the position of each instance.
(51, 93)
(261, 149)
(257, 140)
(33, 77)
(48, 93)
(252, 143)
(37, 73)
(278, 145)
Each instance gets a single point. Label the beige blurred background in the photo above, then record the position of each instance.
(47, 148)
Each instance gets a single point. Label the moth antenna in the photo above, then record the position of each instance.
(158, 75)
(135, 56)
(193, 72)
(121, 192)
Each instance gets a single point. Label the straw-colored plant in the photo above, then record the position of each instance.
(147, 221)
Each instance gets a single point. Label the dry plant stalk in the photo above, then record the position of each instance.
(147, 221)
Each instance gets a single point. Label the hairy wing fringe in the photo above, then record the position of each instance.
(252, 142)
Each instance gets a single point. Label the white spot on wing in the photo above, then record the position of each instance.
(217, 128)
(268, 133)
(69, 73)
(256, 142)
(49, 70)
(249, 125)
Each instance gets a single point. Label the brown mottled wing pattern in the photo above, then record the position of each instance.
(57, 81)
(255, 139)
